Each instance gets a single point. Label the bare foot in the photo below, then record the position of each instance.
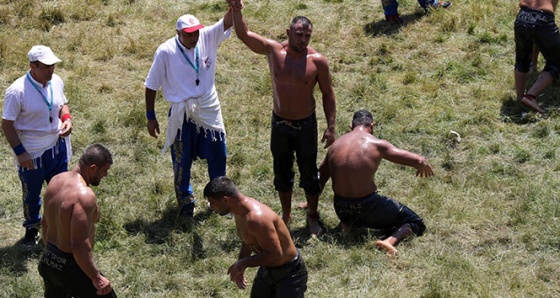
(302, 205)
(389, 249)
(531, 102)
(313, 223)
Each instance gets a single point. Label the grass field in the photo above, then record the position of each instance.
(491, 209)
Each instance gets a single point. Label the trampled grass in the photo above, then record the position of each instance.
(491, 210)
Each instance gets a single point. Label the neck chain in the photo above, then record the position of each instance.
(194, 66)
(45, 99)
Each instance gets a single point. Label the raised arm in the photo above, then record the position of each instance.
(255, 42)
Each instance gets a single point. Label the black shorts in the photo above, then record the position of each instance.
(63, 277)
(535, 27)
(377, 212)
(298, 136)
(286, 281)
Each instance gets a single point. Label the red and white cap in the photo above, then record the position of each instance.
(189, 23)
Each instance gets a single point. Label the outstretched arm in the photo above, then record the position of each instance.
(255, 42)
(407, 158)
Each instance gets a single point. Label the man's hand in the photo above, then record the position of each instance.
(328, 137)
(153, 128)
(235, 4)
(236, 273)
(103, 285)
(25, 161)
(66, 128)
(425, 171)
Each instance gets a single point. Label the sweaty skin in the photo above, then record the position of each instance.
(295, 70)
(69, 218)
(545, 5)
(353, 159)
(266, 240)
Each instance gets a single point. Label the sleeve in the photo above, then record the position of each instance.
(216, 32)
(12, 104)
(157, 71)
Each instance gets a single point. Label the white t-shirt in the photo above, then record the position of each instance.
(176, 77)
(26, 106)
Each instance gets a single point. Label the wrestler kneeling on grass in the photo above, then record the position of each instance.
(351, 162)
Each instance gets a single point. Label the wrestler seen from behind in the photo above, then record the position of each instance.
(68, 228)
(351, 162)
(295, 70)
(266, 242)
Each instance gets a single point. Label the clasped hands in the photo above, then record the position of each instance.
(236, 5)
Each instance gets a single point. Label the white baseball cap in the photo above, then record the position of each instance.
(189, 23)
(42, 54)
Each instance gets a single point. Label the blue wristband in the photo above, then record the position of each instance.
(19, 149)
(151, 115)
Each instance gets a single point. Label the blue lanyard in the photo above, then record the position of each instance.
(195, 67)
(45, 99)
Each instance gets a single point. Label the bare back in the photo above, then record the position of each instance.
(67, 199)
(293, 79)
(264, 231)
(353, 160)
(545, 5)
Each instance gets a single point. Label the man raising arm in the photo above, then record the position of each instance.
(295, 70)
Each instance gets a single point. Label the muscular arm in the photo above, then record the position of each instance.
(152, 125)
(10, 132)
(329, 104)
(81, 233)
(270, 250)
(255, 42)
(404, 157)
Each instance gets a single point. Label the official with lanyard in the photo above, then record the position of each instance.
(184, 68)
(37, 124)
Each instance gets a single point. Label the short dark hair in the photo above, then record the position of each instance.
(305, 22)
(362, 117)
(219, 187)
(96, 154)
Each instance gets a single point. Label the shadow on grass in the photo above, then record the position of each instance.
(158, 231)
(355, 237)
(514, 112)
(383, 27)
(14, 258)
